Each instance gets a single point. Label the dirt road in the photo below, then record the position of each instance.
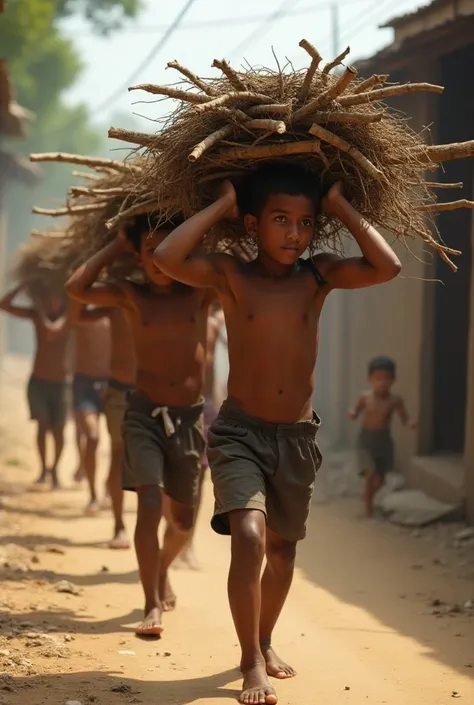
(361, 625)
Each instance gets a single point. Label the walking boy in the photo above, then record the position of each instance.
(47, 387)
(162, 429)
(120, 383)
(262, 447)
(375, 444)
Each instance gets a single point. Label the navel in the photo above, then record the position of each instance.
(280, 391)
(250, 316)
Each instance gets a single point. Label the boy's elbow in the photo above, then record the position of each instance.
(391, 270)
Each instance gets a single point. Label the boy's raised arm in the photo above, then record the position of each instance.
(174, 255)
(378, 263)
(82, 285)
(7, 305)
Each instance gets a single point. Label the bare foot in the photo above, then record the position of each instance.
(42, 478)
(120, 540)
(256, 689)
(166, 594)
(92, 509)
(151, 625)
(276, 667)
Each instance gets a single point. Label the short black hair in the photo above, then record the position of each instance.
(146, 223)
(275, 177)
(382, 364)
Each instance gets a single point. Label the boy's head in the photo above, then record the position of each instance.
(53, 305)
(382, 373)
(145, 234)
(279, 203)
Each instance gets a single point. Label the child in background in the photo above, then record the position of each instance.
(375, 443)
(47, 386)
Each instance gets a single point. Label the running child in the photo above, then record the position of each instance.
(163, 426)
(47, 387)
(262, 447)
(377, 407)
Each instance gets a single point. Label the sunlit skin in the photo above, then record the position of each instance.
(272, 308)
(168, 322)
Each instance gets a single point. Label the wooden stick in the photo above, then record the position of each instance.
(175, 93)
(270, 109)
(266, 124)
(388, 92)
(326, 96)
(344, 146)
(85, 175)
(347, 117)
(137, 209)
(437, 184)
(447, 206)
(70, 210)
(220, 175)
(230, 113)
(232, 76)
(49, 233)
(141, 138)
(375, 80)
(210, 140)
(263, 151)
(199, 83)
(446, 152)
(337, 61)
(64, 158)
(313, 67)
(230, 97)
(84, 191)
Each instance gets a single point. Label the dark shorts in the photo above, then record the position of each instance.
(47, 401)
(88, 393)
(210, 414)
(163, 447)
(375, 451)
(266, 466)
(115, 405)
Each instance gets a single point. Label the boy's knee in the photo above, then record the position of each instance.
(281, 554)
(248, 532)
(182, 518)
(149, 499)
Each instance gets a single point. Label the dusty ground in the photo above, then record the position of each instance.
(376, 614)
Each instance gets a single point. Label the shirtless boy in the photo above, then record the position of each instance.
(262, 447)
(120, 383)
(47, 387)
(215, 323)
(162, 429)
(92, 348)
(375, 445)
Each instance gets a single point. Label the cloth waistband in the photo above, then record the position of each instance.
(171, 416)
(120, 386)
(230, 413)
(91, 380)
(59, 382)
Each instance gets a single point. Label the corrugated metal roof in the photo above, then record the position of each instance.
(417, 14)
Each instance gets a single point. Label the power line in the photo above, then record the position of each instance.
(155, 49)
(282, 11)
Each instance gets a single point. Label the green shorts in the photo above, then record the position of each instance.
(375, 451)
(267, 466)
(47, 401)
(163, 447)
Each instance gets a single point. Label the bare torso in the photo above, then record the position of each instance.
(92, 346)
(122, 353)
(52, 353)
(272, 330)
(377, 411)
(169, 332)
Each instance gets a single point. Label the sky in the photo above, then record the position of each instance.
(237, 31)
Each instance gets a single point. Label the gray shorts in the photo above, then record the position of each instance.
(115, 405)
(267, 466)
(163, 447)
(375, 451)
(47, 401)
